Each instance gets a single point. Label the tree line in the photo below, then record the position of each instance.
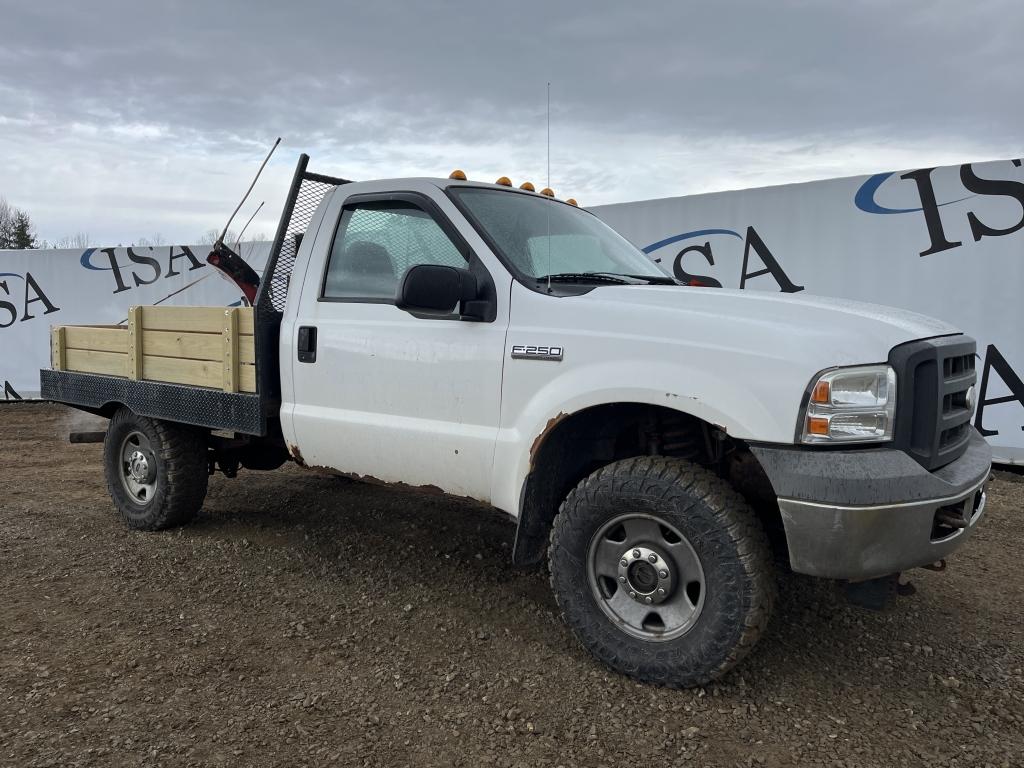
(17, 232)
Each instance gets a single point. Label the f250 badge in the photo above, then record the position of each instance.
(535, 352)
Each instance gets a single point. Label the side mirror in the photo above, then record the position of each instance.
(436, 289)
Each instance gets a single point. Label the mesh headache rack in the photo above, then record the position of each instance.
(304, 196)
(214, 386)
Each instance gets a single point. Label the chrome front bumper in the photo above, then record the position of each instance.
(858, 515)
(856, 543)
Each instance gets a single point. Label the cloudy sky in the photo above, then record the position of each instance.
(127, 120)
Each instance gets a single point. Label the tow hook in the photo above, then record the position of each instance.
(878, 594)
(953, 519)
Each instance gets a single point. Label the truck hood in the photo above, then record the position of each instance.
(845, 332)
(738, 359)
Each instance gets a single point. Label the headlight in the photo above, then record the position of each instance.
(851, 405)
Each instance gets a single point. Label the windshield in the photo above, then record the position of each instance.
(540, 237)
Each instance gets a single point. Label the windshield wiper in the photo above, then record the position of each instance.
(608, 277)
(584, 277)
(654, 279)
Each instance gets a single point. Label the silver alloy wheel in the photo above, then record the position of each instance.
(138, 467)
(646, 577)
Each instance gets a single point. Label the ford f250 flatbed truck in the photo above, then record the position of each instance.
(664, 447)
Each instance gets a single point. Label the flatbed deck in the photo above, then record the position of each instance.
(195, 365)
(201, 346)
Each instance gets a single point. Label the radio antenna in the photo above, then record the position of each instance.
(220, 240)
(549, 136)
(239, 239)
(549, 186)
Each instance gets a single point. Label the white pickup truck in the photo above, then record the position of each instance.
(665, 447)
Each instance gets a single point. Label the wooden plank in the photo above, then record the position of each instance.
(112, 338)
(246, 378)
(200, 373)
(194, 346)
(246, 348)
(58, 347)
(135, 343)
(246, 321)
(229, 364)
(91, 361)
(193, 319)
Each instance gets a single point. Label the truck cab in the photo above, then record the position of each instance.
(662, 446)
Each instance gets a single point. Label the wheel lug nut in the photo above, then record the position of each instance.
(622, 579)
(636, 553)
(623, 562)
(653, 558)
(663, 574)
(661, 590)
(647, 599)
(633, 595)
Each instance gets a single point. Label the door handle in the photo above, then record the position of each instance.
(306, 344)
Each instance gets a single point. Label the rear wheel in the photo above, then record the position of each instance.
(156, 471)
(662, 570)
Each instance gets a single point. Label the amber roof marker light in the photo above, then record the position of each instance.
(457, 175)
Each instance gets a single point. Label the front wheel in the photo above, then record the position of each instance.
(661, 570)
(156, 471)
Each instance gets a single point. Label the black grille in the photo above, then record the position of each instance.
(933, 416)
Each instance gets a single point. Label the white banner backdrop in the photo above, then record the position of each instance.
(946, 242)
(96, 286)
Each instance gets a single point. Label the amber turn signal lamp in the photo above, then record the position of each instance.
(822, 393)
(817, 425)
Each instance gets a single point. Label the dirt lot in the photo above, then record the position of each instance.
(309, 620)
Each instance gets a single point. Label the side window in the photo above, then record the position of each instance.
(376, 243)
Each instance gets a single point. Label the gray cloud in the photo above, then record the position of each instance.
(125, 119)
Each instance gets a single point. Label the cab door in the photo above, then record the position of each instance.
(377, 391)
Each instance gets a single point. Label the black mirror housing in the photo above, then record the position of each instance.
(437, 289)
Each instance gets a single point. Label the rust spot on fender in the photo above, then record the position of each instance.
(296, 454)
(539, 440)
(694, 398)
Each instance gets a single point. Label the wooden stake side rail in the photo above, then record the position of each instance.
(200, 346)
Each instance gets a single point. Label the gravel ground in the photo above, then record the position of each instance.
(310, 620)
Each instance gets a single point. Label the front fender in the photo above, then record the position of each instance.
(737, 409)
